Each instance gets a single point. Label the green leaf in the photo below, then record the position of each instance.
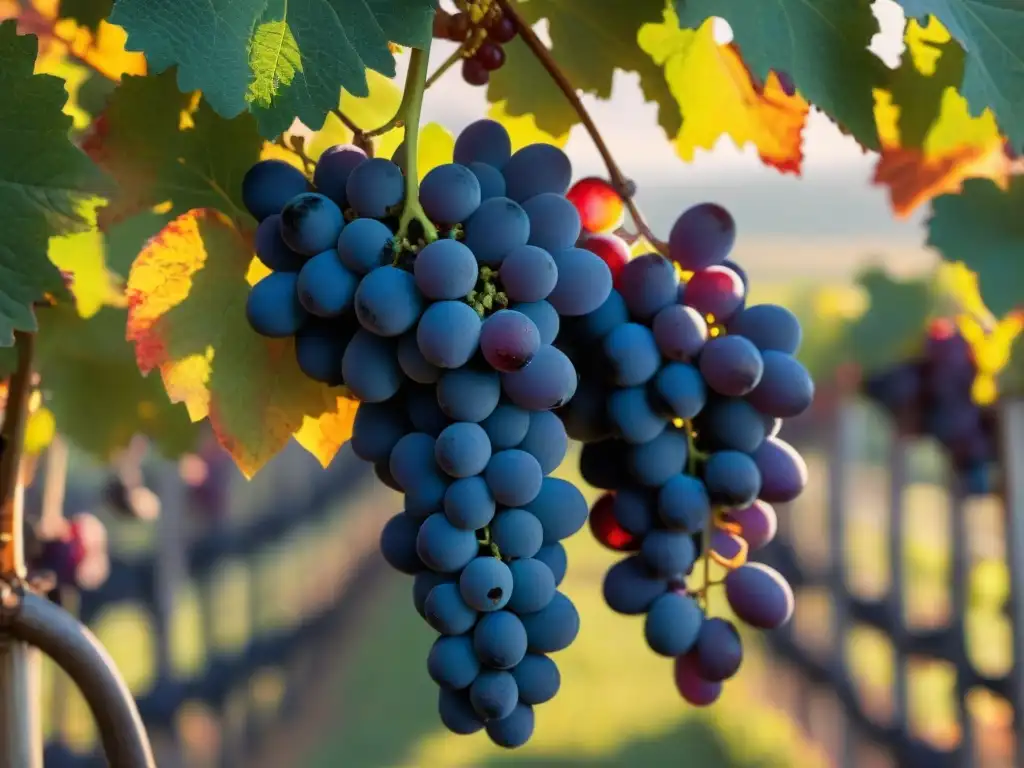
(1011, 378)
(95, 390)
(143, 145)
(88, 13)
(821, 44)
(277, 58)
(992, 34)
(893, 325)
(983, 227)
(47, 186)
(589, 43)
(932, 63)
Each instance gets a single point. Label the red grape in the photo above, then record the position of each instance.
(459, 27)
(490, 56)
(612, 249)
(600, 207)
(606, 528)
(692, 687)
(473, 72)
(716, 291)
(502, 30)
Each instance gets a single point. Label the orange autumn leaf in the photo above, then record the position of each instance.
(717, 96)
(931, 143)
(187, 292)
(102, 51)
(914, 177)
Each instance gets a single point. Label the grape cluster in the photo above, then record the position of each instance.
(73, 550)
(482, 29)
(679, 410)
(931, 395)
(449, 347)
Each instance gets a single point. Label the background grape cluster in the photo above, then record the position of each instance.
(931, 395)
(448, 345)
(683, 391)
(481, 35)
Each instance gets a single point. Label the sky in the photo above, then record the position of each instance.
(630, 128)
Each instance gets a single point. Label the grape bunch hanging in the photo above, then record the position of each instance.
(931, 395)
(475, 357)
(481, 29)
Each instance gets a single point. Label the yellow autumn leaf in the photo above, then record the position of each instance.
(522, 129)
(717, 95)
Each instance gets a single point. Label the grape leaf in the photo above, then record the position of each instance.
(716, 95)
(892, 327)
(821, 44)
(279, 61)
(930, 141)
(1011, 378)
(523, 129)
(88, 13)
(144, 141)
(992, 34)
(187, 292)
(95, 390)
(983, 227)
(82, 256)
(47, 186)
(579, 30)
(99, 48)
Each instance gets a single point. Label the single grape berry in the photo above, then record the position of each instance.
(502, 30)
(474, 72)
(491, 56)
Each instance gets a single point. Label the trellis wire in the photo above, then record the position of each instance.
(859, 727)
(295, 496)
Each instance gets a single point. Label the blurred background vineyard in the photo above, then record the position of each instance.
(286, 642)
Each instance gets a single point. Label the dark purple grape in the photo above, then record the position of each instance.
(783, 470)
(692, 687)
(502, 30)
(490, 56)
(474, 73)
(719, 650)
(702, 237)
(759, 596)
(758, 523)
(731, 365)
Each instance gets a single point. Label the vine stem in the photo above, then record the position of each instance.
(409, 115)
(12, 434)
(619, 182)
(450, 62)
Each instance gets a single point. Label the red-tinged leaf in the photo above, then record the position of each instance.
(931, 143)
(187, 292)
(717, 95)
(914, 178)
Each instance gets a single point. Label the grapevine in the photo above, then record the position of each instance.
(461, 309)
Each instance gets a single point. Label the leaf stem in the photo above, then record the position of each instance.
(12, 439)
(450, 62)
(621, 184)
(298, 150)
(412, 96)
(409, 115)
